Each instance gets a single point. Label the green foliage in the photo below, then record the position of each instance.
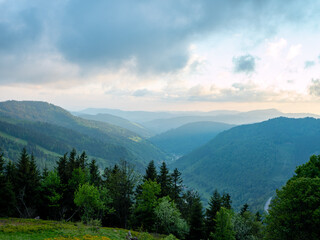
(196, 220)
(169, 220)
(224, 226)
(88, 198)
(251, 161)
(165, 180)
(295, 212)
(246, 226)
(146, 202)
(51, 193)
(120, 181)
(49, 131)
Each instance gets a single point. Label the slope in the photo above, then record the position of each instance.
(138, 150)
(251, 161)
(120, 122)
(188, 137)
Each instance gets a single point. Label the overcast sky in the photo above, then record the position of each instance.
(162, 55)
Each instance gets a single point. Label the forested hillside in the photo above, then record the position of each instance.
(49, 131)
(120, 122)
(188, 137)
(251, 161)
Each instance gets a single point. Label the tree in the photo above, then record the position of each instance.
(196, 220)
(51, 195)
(224, 226)
(295, 211)
(169, 220)
(151, 172)
(226, 201)
(146, 202)
(120, 181)
(27, 185)
(246, 227)
(211, 212)
(165, 180)
(88, 198)
(95, 177)
(176, 186)
(7, 199)
(244, 209)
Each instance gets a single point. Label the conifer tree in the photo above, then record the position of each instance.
(196, 220)
(7, 196)
(211, 212)
(226, 201)
(176, 186)
(151, 172)
(95, 177)
(244, 209)
(165, 180)
(62, 169)
(224, 227)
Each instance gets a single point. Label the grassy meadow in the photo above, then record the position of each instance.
(25, 229)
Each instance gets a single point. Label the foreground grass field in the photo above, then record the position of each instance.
(25, 229)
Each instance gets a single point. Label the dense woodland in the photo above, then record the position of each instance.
(158, 201)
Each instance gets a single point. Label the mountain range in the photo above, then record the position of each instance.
(51, 131)
(251, 161)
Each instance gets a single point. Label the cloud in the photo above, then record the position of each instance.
(294, 51)
(141, 92)
(314, 88)
(157, 34)
(274, 48)
(308, 64)
(244, 64)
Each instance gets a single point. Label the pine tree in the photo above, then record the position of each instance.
(165, 180)
(151, 172)
(176, 186)
(62, 169)
(226, 201)
(1, 163)
(81, 161)
(211, 212)
(95, 177)
(7, 196)
(224, 227)
(27, 185)
(196, 220)
(244, 209)
(120, 181)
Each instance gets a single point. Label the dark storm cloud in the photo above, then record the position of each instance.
(155, 34)
(244, 64)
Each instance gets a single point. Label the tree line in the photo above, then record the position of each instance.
(77, 190)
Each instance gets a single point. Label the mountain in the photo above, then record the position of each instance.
(120, 122)
(251, 161)
(134, 116)
(22, 120)
(184, 139)
(237, 118)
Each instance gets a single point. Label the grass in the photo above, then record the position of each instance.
(25, 229)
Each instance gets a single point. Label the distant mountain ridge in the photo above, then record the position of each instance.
(251, 161)
(159, 122)
(115, 142)
(120, 122)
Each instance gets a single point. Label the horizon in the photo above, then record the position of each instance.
(162, 55)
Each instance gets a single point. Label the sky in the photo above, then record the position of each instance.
(162, 54)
